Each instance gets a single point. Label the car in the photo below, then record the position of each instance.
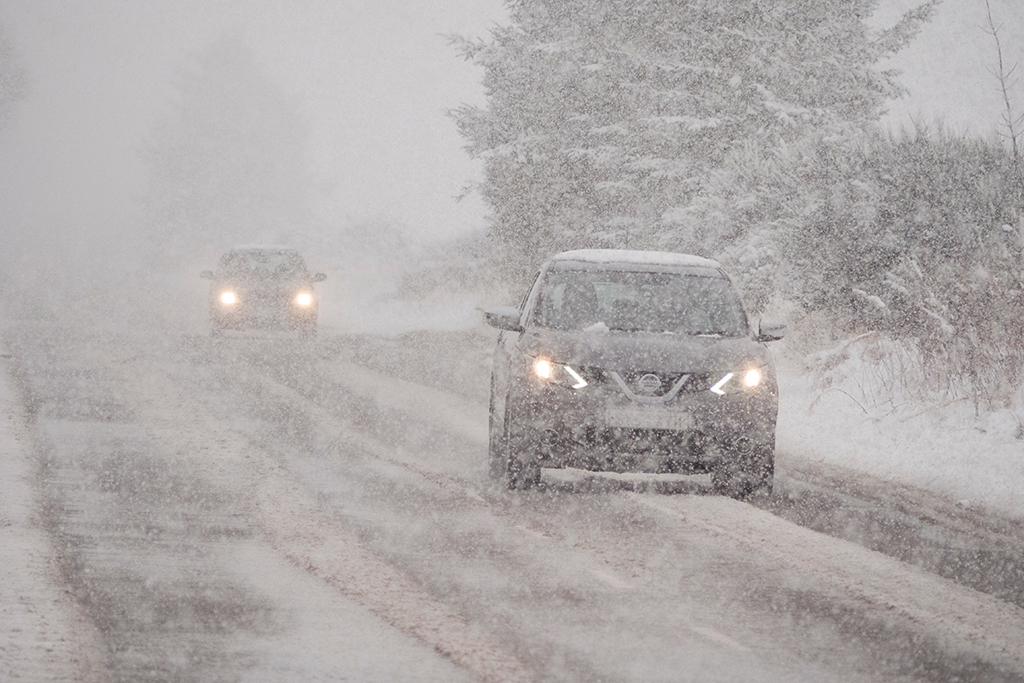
(633, 361)
(263, 287)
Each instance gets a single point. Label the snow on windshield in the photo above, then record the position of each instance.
(263, 263)
(640, 302)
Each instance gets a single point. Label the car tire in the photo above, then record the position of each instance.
(519, 475)
(504, 467)
(746, 478)
(497, 444)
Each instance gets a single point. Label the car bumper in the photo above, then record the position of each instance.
(605, 431)
(284, 317)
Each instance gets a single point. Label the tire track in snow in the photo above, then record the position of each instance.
(298, 527)
(960, 618)
(44, 634)
(466, 418)
(318, 544)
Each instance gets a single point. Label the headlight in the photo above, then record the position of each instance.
(304, 299)
(733, 382)
(556, 373)
(228, 298)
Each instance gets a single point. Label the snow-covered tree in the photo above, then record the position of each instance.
(13, 81)
(228, 163)
(912, 236)
(605, 118)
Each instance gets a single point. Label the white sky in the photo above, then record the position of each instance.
(375, 77)
(948, 68)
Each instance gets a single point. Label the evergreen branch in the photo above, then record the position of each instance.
(894, 39)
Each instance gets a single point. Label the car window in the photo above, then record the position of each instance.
(640, 302)
(256, 263)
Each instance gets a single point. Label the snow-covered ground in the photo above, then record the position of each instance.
(324, 633)
(43, 631)
(945, 449)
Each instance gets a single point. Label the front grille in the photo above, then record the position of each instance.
(666, 441)
(695, 382)
(276, 299)
(635, 382)
(596, 376)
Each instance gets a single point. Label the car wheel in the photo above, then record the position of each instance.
(504, 466)
(497, 444)
(746, 478)
(519, 475)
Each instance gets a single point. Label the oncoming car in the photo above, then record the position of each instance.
(632, 361)
(263, 287)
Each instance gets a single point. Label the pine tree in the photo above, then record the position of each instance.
(605, 118)
(228, 163)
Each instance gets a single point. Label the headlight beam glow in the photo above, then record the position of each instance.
(545, 369)
(731, 382)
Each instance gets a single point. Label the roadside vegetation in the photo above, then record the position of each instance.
(748, 132)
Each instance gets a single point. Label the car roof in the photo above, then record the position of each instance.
(636, 258)
(262, 247)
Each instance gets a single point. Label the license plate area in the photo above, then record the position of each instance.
(648, 417)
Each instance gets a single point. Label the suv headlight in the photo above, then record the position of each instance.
(304, 299)
(557, 373)
(228, 298)
(735, 382)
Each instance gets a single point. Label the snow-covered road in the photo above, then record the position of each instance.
(251, 509)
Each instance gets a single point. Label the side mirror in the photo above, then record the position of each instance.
(319, 277)
(206, 274)
(504, 318)
(770, 329)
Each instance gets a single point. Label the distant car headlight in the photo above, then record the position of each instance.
(228, 298)
(733, 382)
(556, 373)
(304, 299)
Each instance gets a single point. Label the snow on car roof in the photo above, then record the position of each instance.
(261, 247)
(661, 258)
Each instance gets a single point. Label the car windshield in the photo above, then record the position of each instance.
(262, 264)
(662, 302)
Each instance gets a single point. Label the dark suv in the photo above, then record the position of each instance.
(258, 287)
(633, 361)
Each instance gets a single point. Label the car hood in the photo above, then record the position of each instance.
(627, 352)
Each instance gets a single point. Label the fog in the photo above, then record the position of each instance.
(368, 83)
